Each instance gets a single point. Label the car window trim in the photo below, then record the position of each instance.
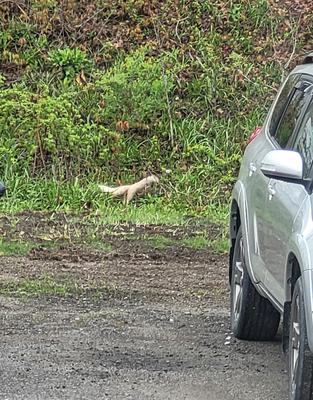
(296, 87)
(308, 93)
(291, 94)
(309, 180)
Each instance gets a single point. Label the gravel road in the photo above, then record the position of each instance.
(137, 322)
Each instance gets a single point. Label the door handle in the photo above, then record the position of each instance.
(252, 169)
(271, 190)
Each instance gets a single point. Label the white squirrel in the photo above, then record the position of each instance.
(129, 191)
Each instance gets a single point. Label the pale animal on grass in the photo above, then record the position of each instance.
(129, 191)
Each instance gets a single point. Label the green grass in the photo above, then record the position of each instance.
(37, 287)
(98, 244)
(46, 285)
(179, 91)
(198, 242)
(8, 248)
(220, 245)
(160, 242)
(83, 196)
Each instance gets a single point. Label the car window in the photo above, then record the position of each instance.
(304, 141)
(289, 119)
(282, 102)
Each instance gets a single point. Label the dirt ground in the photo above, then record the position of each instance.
(89, 312)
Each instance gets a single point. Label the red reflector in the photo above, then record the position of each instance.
(254, 134)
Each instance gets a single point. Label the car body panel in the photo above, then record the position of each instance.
(282, 207)
(256, 199)
(277, 223)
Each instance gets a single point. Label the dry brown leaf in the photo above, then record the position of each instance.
(122, 126)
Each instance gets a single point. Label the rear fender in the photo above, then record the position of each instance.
(239, 198)
(303, 251)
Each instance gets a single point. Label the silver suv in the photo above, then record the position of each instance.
(271, 231)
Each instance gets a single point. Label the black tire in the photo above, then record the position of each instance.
(300, 358)
(252, 316)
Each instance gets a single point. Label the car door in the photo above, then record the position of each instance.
(285, 198)
(256, 198)
(257, 183)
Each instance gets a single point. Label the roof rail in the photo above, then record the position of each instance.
(308, 58)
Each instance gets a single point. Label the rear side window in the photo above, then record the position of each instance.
(282, 102)
(304, 141)
(289, 119)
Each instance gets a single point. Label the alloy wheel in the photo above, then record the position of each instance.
(238, 281)
(295, 346)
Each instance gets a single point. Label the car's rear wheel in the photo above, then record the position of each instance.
(300, 362)
(252, 316)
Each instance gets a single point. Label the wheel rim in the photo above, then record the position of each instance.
(295, 346)
(238, 281)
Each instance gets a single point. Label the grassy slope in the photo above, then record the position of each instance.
(106, 91)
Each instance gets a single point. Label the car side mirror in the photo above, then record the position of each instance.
(283, 165)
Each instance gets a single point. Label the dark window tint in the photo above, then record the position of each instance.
(281, 102)
(304, 141)
(289, 119)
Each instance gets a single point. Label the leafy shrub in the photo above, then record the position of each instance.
(170, 85)
(69, 61)
(44, 133)
(135, 88)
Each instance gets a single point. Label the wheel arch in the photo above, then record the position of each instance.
(235, 219)
(293, 272)
(234, 225)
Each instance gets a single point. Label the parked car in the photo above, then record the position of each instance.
(271, 231)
